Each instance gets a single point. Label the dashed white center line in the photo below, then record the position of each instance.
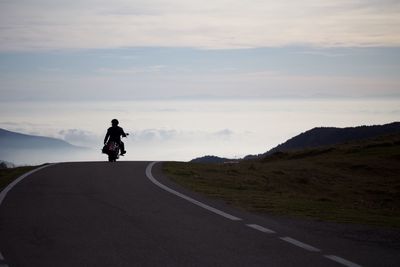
(300, 244)
(342, 261)
(260, 228)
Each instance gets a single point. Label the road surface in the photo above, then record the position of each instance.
(129, 214)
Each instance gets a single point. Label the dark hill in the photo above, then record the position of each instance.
(324, 136)
(357, 181)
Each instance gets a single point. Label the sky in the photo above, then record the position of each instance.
(217, 24)
(94, 52)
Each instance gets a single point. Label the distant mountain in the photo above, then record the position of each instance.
(5, 164)
(13, 140)
(31, 149)
(323, 136)
(210, 159)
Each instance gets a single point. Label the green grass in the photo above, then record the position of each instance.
(357, 182)
(10, 174)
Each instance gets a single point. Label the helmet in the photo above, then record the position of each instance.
(114, 122)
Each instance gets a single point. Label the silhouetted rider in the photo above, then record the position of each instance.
(114, 133)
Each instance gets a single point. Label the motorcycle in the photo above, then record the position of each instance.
(112, 149)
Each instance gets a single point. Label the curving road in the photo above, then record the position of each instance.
(129, 214)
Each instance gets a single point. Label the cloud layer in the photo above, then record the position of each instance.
(48, 24)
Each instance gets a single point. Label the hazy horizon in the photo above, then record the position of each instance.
(183, 130)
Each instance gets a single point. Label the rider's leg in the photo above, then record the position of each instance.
(122, 146)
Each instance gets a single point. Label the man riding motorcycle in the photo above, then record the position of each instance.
(114, 133)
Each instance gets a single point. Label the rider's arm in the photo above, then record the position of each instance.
(123, 133)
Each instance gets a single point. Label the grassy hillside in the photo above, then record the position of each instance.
(357, 182)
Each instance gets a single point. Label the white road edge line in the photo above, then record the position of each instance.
(193, 201)
(342, 261)
(300, 244)
(4, 192)
(260, 228)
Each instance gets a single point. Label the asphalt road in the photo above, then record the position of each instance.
(113, 214)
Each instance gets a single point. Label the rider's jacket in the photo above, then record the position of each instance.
(114, 133)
